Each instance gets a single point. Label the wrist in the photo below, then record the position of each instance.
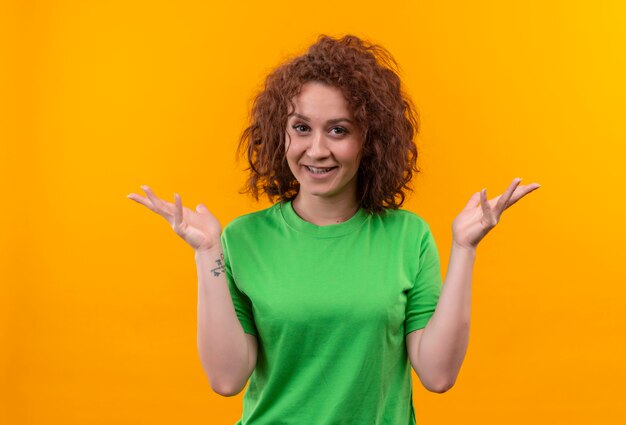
(209, 252)
(465, 248)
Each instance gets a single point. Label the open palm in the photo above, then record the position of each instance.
(481, 215)
(199, 228)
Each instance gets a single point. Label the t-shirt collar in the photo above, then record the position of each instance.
(296, 222)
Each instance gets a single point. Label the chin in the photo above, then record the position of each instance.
(320, 193)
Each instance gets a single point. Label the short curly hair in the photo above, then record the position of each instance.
(367, 75)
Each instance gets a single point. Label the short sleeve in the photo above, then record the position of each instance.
(241, 302)
(422, 298)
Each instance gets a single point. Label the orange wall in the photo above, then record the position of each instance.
(98, 295)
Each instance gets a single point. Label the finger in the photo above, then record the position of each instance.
(486, 208)
(159, 206)
(522, 191)
(506, 196)
(178, 211)
(143, 201)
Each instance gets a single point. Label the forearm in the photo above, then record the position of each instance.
(444, 341)
(222, 345)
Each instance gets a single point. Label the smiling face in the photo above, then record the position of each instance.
(323, 133)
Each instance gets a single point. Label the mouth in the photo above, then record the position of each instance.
(315, 171)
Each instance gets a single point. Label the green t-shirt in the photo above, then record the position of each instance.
(331, 307)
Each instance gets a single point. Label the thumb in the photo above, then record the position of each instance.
(201, 208)
(473, 201)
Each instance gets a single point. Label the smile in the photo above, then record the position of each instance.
(319, 172)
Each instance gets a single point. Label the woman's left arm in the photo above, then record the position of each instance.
(442, 344)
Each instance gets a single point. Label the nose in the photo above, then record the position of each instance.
(318, 147)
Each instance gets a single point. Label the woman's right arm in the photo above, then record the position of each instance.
(228, 354)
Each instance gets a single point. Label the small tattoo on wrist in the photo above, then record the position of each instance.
(221, 268)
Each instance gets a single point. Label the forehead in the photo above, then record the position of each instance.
(321, 102)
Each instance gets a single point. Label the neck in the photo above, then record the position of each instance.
(324, 211)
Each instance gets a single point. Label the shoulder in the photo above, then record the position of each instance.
(404, 219)
(400, 228)
(257, 221)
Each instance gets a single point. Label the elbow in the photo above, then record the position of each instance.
(439, 389)
(225, 387)
(226, 390)
(222, 383)
(441, 386)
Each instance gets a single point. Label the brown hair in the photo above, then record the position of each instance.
(367, 75)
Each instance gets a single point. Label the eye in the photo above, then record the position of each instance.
(341, 130)
(297, 127)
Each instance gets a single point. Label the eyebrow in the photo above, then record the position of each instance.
(333, 121)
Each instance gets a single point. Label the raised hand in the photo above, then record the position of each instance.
(481, 215)
(199, 228)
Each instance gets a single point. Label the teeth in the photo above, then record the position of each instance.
(319, 170)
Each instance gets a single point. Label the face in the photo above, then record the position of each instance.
(323, 134)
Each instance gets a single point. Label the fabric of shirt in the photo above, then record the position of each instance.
(331, 307)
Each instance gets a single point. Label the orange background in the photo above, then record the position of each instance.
(98, 296)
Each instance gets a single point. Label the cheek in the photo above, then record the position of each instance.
(294, 150)
(350, 155)
(292, 155)
(289, 148)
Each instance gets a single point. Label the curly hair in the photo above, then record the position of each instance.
(367, 75)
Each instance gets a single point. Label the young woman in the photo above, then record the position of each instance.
(326, 299)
